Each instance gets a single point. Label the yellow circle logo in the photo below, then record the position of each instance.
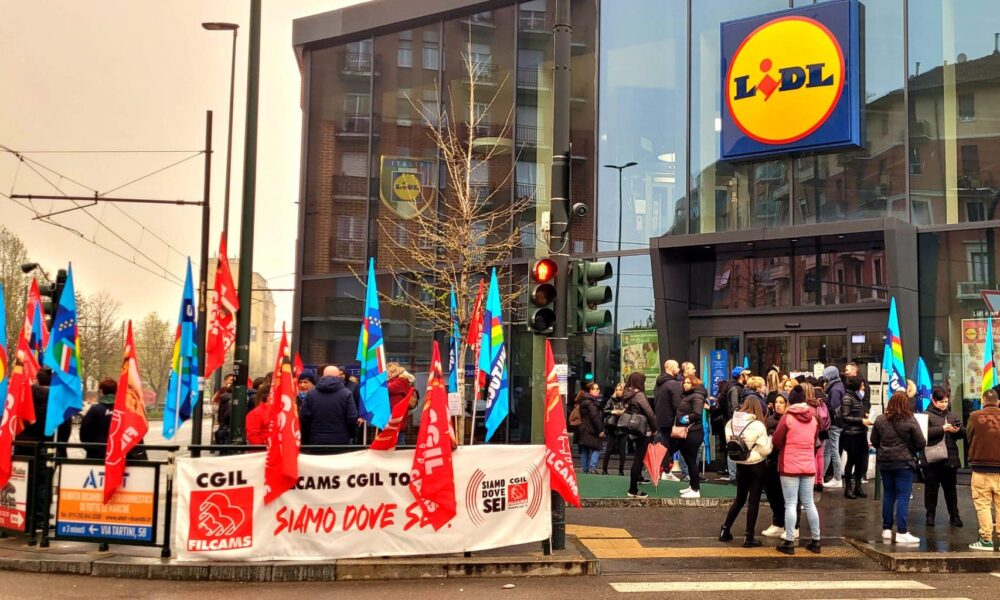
(406, 187)
(784, 80)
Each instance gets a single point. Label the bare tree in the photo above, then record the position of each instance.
(154, 349)
(15, 283)
(101, 334)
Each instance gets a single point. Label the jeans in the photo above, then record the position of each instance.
(689, 453)
(684, 465)
(589, 458)
(799, 490)
(641, 443)
(749, 484)
(731, 466)
(940, 475)
(897, 484)
(831, 452)
(986, 498)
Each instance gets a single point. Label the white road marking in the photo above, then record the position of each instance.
(758, 586)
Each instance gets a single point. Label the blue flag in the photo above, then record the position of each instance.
(3, 352)
(374, 381)
(493, 360)
(705, 421)
(923, 384)
(746, 361)
(456, 337)
(182, 389)
(62, 355)
(892, 354)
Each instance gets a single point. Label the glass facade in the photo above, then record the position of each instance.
(645, 130)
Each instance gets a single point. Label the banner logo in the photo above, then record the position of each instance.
(407, 186)
(221, 519)
(791, 81)
(484, 497)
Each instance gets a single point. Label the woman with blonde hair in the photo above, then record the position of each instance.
(757, 389)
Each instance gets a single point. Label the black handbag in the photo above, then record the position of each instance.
(634, 423)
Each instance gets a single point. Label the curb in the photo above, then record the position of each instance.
(104, 564)
(928, 562)
(667, 502)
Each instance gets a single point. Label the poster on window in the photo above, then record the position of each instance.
(641, 352)
(973, 351)
(14, 497)
(407, 186)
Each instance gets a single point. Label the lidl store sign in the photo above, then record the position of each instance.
(791, 81)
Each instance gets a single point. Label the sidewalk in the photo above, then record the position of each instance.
(143, 563)
(612, 490)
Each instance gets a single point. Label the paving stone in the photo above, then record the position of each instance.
(291, 571)
(382, 569)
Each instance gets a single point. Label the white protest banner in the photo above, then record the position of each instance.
(357, 505)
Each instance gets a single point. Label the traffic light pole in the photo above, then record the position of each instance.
(241, 357)
(559, 233)
(198, 412)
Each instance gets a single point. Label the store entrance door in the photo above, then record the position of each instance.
(798, 352)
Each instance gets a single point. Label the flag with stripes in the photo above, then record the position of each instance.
(892, 354)
(182, 388)
(62, 355)
(374, 380)
(493, 360)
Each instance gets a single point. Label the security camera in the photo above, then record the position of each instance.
(580, 210)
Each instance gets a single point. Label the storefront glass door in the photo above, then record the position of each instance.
(769, 350)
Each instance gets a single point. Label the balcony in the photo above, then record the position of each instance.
(533, 21)
(530, 135)
(969, 290)
(529, 191)
(532, 79)
(484, 72)
(483, 19)
(358, 63)
(359, 125)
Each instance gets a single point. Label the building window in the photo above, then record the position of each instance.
(974, 211)
(354, 164)
(978, 261)
(404, 54)
(432, 50)
(970, 166)
(966, 107)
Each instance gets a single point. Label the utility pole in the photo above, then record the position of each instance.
(559, 233)
(198, 410)
(241, 358)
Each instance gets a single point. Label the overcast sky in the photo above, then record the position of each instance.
(139, 75)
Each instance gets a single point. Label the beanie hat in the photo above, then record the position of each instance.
(797, 395)
(308, 375)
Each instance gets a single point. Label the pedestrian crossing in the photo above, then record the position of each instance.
(768, 586)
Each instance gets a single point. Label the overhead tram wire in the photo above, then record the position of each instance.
(28, 161)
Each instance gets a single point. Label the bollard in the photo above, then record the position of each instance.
(558, 523)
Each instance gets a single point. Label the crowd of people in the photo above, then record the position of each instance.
(784, 439)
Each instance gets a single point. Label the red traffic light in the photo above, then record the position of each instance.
(544, 270)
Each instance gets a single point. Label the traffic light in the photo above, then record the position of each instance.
(50, 293)
(587, 296)
(542, 318)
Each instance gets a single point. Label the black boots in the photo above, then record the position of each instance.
(725, 535)
(813, 546)
(929, 521)
(786, 547)
(858, 491)
(955, 521)
(751, 542)
(849, 491)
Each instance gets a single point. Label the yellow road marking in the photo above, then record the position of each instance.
(587, 531)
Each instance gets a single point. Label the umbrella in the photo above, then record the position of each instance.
(654, 460)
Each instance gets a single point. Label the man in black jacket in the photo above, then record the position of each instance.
(831, 450)
(35, 432)
(667, 397)
(328, 414)
(97, 422)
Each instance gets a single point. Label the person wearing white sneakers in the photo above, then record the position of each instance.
(896, 437)
(983, 434)
(797, 437)
(687, 431)
(748, 444)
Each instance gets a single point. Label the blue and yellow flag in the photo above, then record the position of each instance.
(3, 352)
(374, 381)
(62, 355)
(892, 354)
(493, 360)
(182, 390)
(453, 343)
(923, 384)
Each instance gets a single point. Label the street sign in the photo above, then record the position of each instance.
(129, 517)
(562, 374)
(992, 300)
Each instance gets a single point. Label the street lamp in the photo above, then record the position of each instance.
(229, 140)
(618, 270)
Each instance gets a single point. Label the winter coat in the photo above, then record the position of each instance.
(328, 414)
(258, 422)
(935, 433)
(691, 406)
(637, 403)
(771, 422)
(896, 441)
(748, 393)
(984, 441)
(834, 391)
(225, 407)
(588, 434)
(400, 390)
(796, 437)
(95, 425)
(755, 437)
(852, 415)
(36, 431)
(734, 396)
(613, 409)
(667, 397)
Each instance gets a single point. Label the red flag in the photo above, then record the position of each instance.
(222, 330)
(433, 483)
(474, 339)
(281, 468)
(18, 406)
(557, 452)
(37, 343)
(128, 420)
(387, 438)
(298, 368)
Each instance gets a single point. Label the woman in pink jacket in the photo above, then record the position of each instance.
(797, 436)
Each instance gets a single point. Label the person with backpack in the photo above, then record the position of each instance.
(614, 408)
(730, 402)
(854, 437)
(796, 437)
(590, 433)
(748, 445)
(831, 451)
(637, 421)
